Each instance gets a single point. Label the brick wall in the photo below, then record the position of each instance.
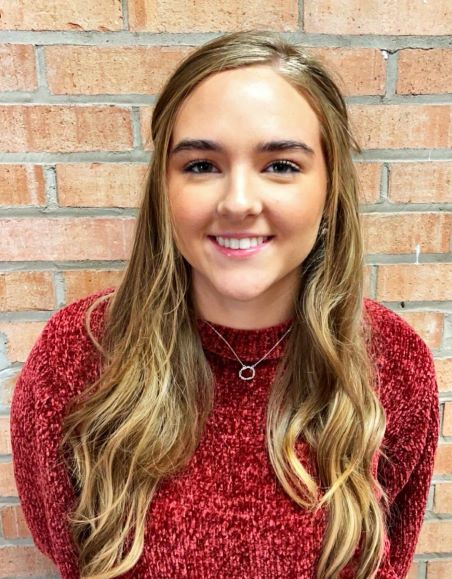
(77, 86)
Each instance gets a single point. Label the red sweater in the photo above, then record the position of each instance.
(225, 516)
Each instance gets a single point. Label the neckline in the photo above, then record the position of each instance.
(250, 345)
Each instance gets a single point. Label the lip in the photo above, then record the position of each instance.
(240, 253)
(240, 235)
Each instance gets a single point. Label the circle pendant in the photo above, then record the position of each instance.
(244, 369)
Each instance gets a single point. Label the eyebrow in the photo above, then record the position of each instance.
(263, 147)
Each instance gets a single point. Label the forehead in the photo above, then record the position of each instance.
(252, 102)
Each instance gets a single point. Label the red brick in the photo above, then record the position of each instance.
(145, 126)
(64, 128)
(22, 290)
(13, 522)
(443, 367)
(101, 15)
(80, 283)
(66, 238)
(21, 185)
(413, 570)
(367, 280)
(423, 71)
(110, 70)
(440, 569)
(402, 232)
(5, 442)
(435, 537)
(19, 561)
(443, 459)
(443, 497)
(384, 17)
(447, 420)
(202, 16)
(7, 482)
(20, 338)
(427, 182)
(7, 384)
(358, 71)
(414, 282)
(428, 324)
(18, 71)
(402, 126)
(101, 184)
(369, 178)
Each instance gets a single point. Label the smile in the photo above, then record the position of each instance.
(243, 247)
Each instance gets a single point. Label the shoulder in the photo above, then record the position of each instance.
(64, 357)
(404, 361)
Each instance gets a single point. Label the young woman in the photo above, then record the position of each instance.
(235, 408)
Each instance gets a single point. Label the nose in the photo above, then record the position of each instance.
(240, 196)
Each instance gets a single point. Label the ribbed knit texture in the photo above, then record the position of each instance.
(226, 515)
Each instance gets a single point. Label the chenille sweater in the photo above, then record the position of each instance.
(226, 515)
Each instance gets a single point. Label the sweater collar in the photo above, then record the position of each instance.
(250, 344)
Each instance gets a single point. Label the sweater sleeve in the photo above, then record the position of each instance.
(24, 447)
(412, 443)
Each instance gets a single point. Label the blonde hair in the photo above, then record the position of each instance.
(142, 419)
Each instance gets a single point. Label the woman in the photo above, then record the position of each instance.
(235, 408)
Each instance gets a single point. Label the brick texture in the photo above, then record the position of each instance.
(21, 185)
(20, 337)
(64, 128)
(384, 17)
(369, 178)
(101, 184)
(400, 233)
(102, 15)
(443, 367)
(443, 497)
(13, 522)
(435, 537)
(440, 569)
(7, 482)
(414, 282)
(18, 70)
(429, 326)
(173, 15)
(5, 443)
(447, 419)
(402, 126)
(424, 71)
(18, 561)
(115, 70)
(24, 290)
(358, 71)
(66, 239)
(427, 182)
(80, 283)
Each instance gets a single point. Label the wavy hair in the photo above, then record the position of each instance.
(143, 418)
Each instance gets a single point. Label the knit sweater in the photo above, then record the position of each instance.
(226, 515)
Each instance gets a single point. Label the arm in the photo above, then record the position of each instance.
(407, 480)
(23, 441)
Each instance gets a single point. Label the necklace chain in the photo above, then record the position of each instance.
(245, 367)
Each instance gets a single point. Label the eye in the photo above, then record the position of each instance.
(285, 165)
(200, 165)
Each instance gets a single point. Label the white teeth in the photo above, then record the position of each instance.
(244, 243)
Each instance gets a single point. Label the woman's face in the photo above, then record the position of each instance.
(245, 161)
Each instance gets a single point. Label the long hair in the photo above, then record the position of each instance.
(143, 418)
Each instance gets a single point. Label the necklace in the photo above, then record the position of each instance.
(251, 369)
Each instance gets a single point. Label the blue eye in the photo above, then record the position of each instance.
(286, 165)
(202, 163)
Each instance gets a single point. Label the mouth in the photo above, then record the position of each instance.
(238, 244)
(240, 248)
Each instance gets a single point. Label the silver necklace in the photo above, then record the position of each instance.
(245, 368)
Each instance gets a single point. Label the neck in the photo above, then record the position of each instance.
(245, 315)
